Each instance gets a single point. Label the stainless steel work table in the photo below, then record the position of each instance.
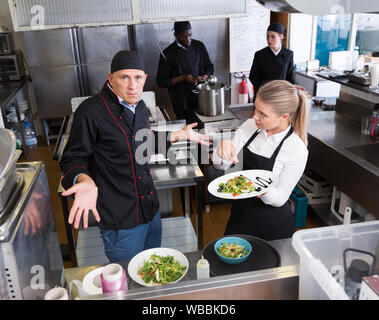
(275, 283)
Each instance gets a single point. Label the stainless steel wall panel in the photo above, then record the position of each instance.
(147, 37)
(95, 76)
(54, 87)
(67, 63)
(214, 33)
(49, 48)
(100, 44)
(150, 37)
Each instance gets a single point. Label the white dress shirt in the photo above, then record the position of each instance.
(289, 165)
(276, 52)
(132, 108)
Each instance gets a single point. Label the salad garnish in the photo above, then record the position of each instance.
(237, 186)
(160, 270)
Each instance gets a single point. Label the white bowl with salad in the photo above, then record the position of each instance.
(158, 266)
(233, 250)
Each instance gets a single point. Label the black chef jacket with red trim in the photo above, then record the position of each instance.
(102, 144)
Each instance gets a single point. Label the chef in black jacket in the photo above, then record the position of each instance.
(182, 65)
(272, 62)
(105, 166)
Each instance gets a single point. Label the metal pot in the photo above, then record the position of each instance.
(211, 98)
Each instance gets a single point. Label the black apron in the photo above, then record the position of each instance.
(252, 216)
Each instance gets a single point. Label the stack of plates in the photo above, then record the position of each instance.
(23, 107)
(12, 117)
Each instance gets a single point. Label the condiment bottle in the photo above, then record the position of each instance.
(202, 268)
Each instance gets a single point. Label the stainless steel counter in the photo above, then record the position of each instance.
(28, 238)
(275, 283)
(347, 82)
(338, 139)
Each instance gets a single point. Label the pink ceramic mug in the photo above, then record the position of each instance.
(113, 278)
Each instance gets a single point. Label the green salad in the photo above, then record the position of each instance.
(161, 270)
(237, 186)
(232, 250)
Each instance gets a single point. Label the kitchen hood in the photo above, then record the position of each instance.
(321, 7)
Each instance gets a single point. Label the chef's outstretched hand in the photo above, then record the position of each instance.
(188, 134)
(85, 191)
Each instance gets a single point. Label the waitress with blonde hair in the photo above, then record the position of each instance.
(273, 139)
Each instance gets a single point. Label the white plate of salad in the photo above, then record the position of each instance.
(158, 266)
(242, 184)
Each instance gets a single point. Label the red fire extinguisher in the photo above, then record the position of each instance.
(243, 91)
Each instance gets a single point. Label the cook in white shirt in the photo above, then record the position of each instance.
(274, 139)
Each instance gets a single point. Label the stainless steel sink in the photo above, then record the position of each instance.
(353, 170)
(368, 152)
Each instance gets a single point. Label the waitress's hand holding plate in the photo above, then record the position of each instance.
(226, 151)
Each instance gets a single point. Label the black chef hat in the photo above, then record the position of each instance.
(126, 59)
(181, 26)
(277, 27)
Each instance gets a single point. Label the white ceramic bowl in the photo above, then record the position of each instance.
(137, 262)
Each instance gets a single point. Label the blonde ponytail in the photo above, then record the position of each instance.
(299, 119)
(284, 97)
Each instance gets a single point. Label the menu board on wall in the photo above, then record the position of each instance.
(247, 35)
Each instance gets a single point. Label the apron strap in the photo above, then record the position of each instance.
(251, 139)
(275, 154)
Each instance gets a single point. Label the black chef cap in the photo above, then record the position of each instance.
(126, 59)
(181, 26)
(277, 27)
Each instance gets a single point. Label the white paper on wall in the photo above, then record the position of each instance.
(247, 35)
